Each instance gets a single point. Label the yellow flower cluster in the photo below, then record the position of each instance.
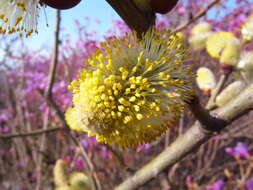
(133, 90)
(18, 16)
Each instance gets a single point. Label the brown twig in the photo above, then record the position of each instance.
(31, 133)
(42, 148)
(54, 60)
(197, 16)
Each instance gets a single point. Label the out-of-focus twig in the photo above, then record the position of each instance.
(31, 133)
(197, 15)
(55, 54)
(52, 70)
(42, 148)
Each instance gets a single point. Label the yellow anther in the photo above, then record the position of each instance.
(107, 104)
(131, 79)
(70, 87)
(113, 113)
(18, 19)
(144, 80)
(121, 108)
(138, 95)
(109, 92)
(127, 119)
(137, 108)
(5, 20)
(119, 114)
(112, 77)
(162, 74)
(101, 88)
(119, 86)
(122, 69)
(153, 90)
(138, 79)
(133, 86)
(134, 69)
(124, 75)
(139, 57)
(127, 91)
(116, 92)
(132, 99)
(139, 116)
(152, 105)
(75, 91)
(170, 95)
(104, 97)
(97, 99)
(111, 98)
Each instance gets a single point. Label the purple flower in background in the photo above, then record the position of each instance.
(104, 153)
(5, 129)
(84, 142)
(72, 148)
(188, 180)
(241, 149)
(4, 116)
(79, 162)
(143, 147)
(181, 10)
(230, 151)
(249, 183)
(218, 185)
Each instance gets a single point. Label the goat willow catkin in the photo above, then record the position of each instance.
(132, 90)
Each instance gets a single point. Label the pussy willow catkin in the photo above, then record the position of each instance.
(132, 90)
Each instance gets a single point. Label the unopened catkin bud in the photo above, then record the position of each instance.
(60, 173)
(216, 43)
(200, 28)
(205, 80)
(197, 42)
(199, 35)
(247, 29)
(231, 53)
(231, 91)
(245, 66)
(79, 181)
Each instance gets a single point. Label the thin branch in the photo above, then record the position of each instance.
(96, 185)
(54, 60)
(191, 140)
(31, 133)
(197, 16)
(208, 122)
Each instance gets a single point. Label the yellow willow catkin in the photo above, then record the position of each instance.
(133, 90)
